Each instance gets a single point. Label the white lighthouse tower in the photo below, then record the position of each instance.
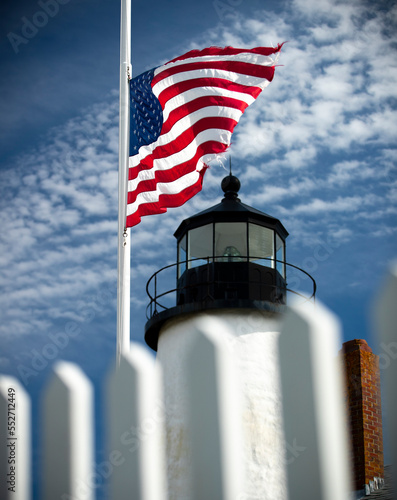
(231, 266)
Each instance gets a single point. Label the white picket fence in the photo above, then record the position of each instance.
(135, 464)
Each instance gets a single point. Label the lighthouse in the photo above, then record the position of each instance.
(231, 266)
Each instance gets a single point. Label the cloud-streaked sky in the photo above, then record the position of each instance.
(317, 150)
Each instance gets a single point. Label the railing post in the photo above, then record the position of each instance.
(15, 441)
(155, 293)
(208, 277)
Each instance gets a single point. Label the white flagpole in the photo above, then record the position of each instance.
(124, 239)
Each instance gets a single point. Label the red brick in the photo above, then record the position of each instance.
(362, 395)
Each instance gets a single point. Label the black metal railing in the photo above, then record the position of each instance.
(159, 290)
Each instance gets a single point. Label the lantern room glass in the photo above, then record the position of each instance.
(200, 245)
(261, 245)
(230, 241)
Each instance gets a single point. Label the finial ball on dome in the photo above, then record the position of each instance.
(230, 183)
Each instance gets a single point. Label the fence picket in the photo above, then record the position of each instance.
(215, 418)
(15, 441)
(135, 425)
(314, 420)
(386, 328)
(317, 462)
(68, 435)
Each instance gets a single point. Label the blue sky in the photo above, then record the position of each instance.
(317, 150)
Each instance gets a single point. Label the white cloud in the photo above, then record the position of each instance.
(59, 228)
(306, 151)
(340, 204)
(311, 102)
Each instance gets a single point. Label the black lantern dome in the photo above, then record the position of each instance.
(237, 248)
(228, 256)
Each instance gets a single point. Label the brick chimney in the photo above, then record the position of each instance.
(365, 414)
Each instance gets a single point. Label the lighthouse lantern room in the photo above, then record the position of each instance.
(231, 252)
(230, 256)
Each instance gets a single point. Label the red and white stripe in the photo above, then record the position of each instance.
(203, 95)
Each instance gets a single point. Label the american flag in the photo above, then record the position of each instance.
(183, 114)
